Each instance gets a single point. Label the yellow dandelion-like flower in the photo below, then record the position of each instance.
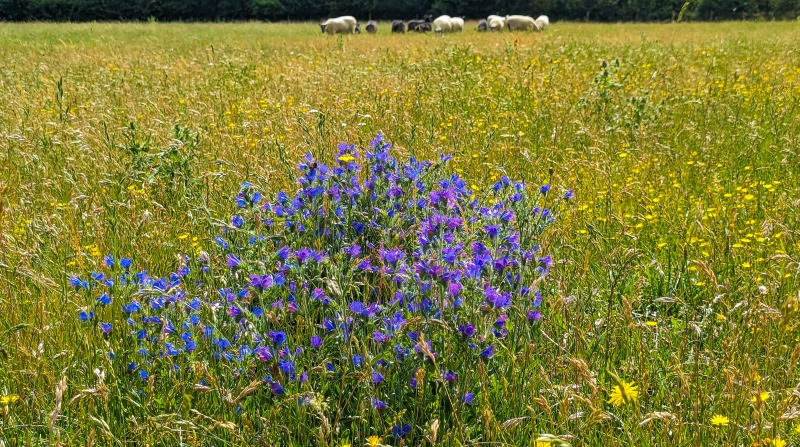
(778, 442)
(720, 420)
(761, 397)
(624, 393)
(346, 158)
(9, 399)
(374, 441)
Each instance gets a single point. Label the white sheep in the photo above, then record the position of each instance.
(352, 23)
(456, 24)
(543, 21)
(442, 25)
(337, 26)
(521, 23)
(496, 23)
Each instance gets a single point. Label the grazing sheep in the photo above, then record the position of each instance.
(372, 27)
(337, 26)
(420, 26)
(543, 21)
(483, 25)
(442, 25)
(521, 23)
(496, 23)
(456, 24)
(398, 26)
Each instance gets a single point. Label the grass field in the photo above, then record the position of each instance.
(676, 262)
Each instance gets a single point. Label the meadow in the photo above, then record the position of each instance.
(675, 270)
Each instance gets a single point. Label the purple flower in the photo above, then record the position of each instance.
(106, 328)
(379, 404)
(545, 189)
(454, 288)
(488, 352)
(392, 256)
(377, 377)
(352, 250)
(492, 230)
(450, 376)
(263, 353)
(276, 389)
(237, 221)
(468, 330)
(534, 315)
(568, 195)
(232, 261)
(467, 398)
(316, 341)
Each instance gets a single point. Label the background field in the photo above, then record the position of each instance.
(676, 265)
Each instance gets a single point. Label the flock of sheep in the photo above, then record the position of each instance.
(440, 25)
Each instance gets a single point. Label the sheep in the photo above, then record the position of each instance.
(543, 21)
(398, 26)
(420, 26)
(483, 25)
(442, 25)
(355, 27)
(521, 23)
(372, 27)
(456, 24)
(496, 23)
(336, 26)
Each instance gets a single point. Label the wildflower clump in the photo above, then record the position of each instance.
(385, 281)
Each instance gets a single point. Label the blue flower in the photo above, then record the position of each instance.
(467, 398)
(108, 260)
(237, 221)
(106, 328)
(143, 375)
(233, 261)
(125, 263)
(104, 299)
(377, 377)
(378, 404)
(488, 352)
(545, 189)
(278, 338)
(84, 316)
(132, 307)
(400, 431)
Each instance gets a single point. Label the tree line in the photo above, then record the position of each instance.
(296, 10)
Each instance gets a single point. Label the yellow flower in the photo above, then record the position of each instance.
(720, 420)
(762, 397)
(374, 441)
(627, 393)
(651, 323)
(346, 158)
(778, 442)
(9, 399)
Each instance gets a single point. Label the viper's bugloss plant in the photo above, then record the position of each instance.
(376, 294)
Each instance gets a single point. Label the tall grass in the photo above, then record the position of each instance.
(676, 268)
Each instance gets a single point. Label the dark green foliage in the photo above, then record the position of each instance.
(227, 10)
